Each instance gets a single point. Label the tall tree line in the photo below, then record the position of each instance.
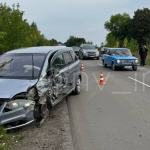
(125, 31)
(16, 32)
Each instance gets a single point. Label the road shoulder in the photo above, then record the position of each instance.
(53, 135)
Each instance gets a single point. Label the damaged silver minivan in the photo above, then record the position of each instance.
(33, 80)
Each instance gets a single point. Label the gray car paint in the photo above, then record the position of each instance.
(11, 87)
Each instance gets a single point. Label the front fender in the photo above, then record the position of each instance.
(114, 60)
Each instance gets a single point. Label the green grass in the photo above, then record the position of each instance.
(8, 140)
(147, 58)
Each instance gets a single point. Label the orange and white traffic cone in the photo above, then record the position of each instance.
(82, 67)
(101, 82)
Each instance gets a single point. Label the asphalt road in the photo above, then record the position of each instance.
(115, 116)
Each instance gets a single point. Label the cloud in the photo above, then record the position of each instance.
(84, 18)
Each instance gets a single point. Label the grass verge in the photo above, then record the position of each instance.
(8, 140)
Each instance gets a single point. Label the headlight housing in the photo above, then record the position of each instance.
(97, 53)
(136, 61)
(19, 103)
(85, 52)
(118, 61)
(31, 94)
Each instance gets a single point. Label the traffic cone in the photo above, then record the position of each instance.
(101, 82)
(82, 67)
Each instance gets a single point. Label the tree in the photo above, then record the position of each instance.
(141, 25)
(53, 42)
(2, 46)
(118, 26)
(117, 44)
(110, 40)
(133, 45)
(42, 41)
(14, 25)
(35, 34)
(125, 43)
(89, 42)
(16, 32)
(74, 41)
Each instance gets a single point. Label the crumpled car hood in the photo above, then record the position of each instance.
(11, 87)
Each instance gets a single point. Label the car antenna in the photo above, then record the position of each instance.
(32, 68)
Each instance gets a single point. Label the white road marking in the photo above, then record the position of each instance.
(100, 64)
(121, 92)
(139, 81)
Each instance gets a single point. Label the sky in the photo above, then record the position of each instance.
(59, 19)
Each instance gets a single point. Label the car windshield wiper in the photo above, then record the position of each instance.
(5, 63)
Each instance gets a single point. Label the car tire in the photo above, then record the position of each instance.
(134, 68)
(104, 64)
(82, 57)
(97, 58)
(113, 66)
(79, 57)
(41, 112)
(77, 90)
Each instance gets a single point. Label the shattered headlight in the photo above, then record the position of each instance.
(19, 103)
(31, 93)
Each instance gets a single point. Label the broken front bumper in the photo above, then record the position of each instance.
(16, 118)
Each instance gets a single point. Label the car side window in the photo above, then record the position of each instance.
(109, 52)
(74, 56)
(58, 62)
(67, 58)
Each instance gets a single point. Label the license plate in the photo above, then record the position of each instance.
(127, 66)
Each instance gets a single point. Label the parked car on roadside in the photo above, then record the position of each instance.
(103, 51)
(76, 49)
(119, 57)
(32, 80)
(88, 51)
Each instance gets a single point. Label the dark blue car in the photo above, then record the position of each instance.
(119, 57)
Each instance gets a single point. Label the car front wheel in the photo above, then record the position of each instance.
(134, 68)
(113, 66)
(104, 64)
(82, 57)
(78, 87)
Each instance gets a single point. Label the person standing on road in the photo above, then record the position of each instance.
(146, 51)
(143, 52)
